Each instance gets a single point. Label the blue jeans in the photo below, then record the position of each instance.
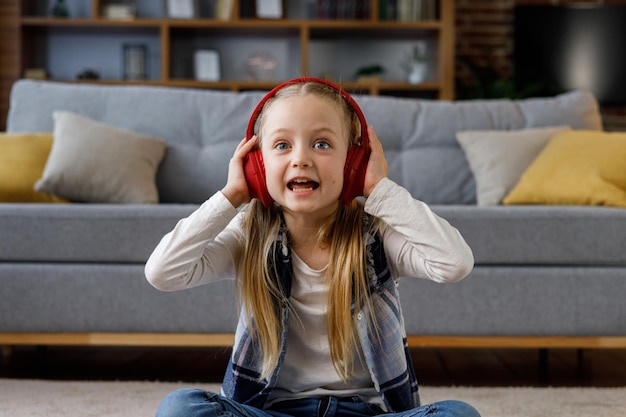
(200, 403)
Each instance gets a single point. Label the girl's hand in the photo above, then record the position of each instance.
(236, 188)
(377, 165)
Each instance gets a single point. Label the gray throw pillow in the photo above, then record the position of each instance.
(498, 158)
(92, 162)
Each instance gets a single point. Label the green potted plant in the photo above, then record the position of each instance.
(370, 73)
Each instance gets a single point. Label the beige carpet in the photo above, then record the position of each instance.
(36, 398)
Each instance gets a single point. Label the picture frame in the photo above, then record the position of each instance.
(180, 9)
(119, 11)
(134, 62)
(207, 65)
(270, 9)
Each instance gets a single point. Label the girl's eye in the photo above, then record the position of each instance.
(322, 144)
(281, 146)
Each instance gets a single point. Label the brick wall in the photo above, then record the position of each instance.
(484, 35)
(9, 56)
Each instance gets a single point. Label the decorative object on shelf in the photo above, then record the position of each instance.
(180, 9)
(60, 9)
(221, 9)
(225, 9)
(123, 11)
(416, 64)
(88, 74)
(270, 9)
(370, 73)
(36, 73)
(408, 10)
(261, 66)
(135, 61)
(207, 65)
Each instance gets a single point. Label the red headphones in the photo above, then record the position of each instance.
(356, 161)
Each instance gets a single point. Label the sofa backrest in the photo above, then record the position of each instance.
(203, 127)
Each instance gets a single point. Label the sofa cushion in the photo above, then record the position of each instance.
(202, 129)
(22, 160)
(541, 235)
(88, 233)
(576, 168)
(498, 158)
(93, 162)
(519, 300)
(57, 297)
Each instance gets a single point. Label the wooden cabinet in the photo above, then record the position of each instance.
(301, 44)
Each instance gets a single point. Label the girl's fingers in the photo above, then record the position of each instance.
(374, 141)
(245, 146)
(236, 188)
(377, 165)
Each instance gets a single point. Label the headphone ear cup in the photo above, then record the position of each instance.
(354, 173)
(254, 171)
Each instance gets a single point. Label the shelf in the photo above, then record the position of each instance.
(340, 25)
(88, 22)
(303, 47)
(368, 87)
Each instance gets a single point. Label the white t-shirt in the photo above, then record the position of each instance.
(307, 370)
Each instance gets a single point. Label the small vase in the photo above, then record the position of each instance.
(417, 72)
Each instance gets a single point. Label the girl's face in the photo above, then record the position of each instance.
(304, 146)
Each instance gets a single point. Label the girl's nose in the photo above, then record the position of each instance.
(301, 157)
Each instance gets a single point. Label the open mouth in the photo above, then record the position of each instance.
(302, 185)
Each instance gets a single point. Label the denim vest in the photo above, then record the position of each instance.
(387, 357)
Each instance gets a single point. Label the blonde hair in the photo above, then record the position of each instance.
(260, 291)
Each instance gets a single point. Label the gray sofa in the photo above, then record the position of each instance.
(73, 273)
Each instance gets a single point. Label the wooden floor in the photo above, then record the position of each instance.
(434, 367)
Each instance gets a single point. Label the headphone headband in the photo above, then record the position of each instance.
(257, 110)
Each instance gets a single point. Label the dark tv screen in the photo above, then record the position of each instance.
(563, 48)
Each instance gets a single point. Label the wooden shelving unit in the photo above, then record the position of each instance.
(36, 28)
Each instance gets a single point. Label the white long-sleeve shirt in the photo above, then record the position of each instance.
(207, 245)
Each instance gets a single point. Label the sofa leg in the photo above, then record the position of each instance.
(544, 366)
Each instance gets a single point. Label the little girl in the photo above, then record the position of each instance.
(321, 331)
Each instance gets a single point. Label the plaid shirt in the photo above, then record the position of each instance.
(386, 351)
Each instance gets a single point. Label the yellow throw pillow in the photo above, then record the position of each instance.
(22, 160)
(576, 168)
